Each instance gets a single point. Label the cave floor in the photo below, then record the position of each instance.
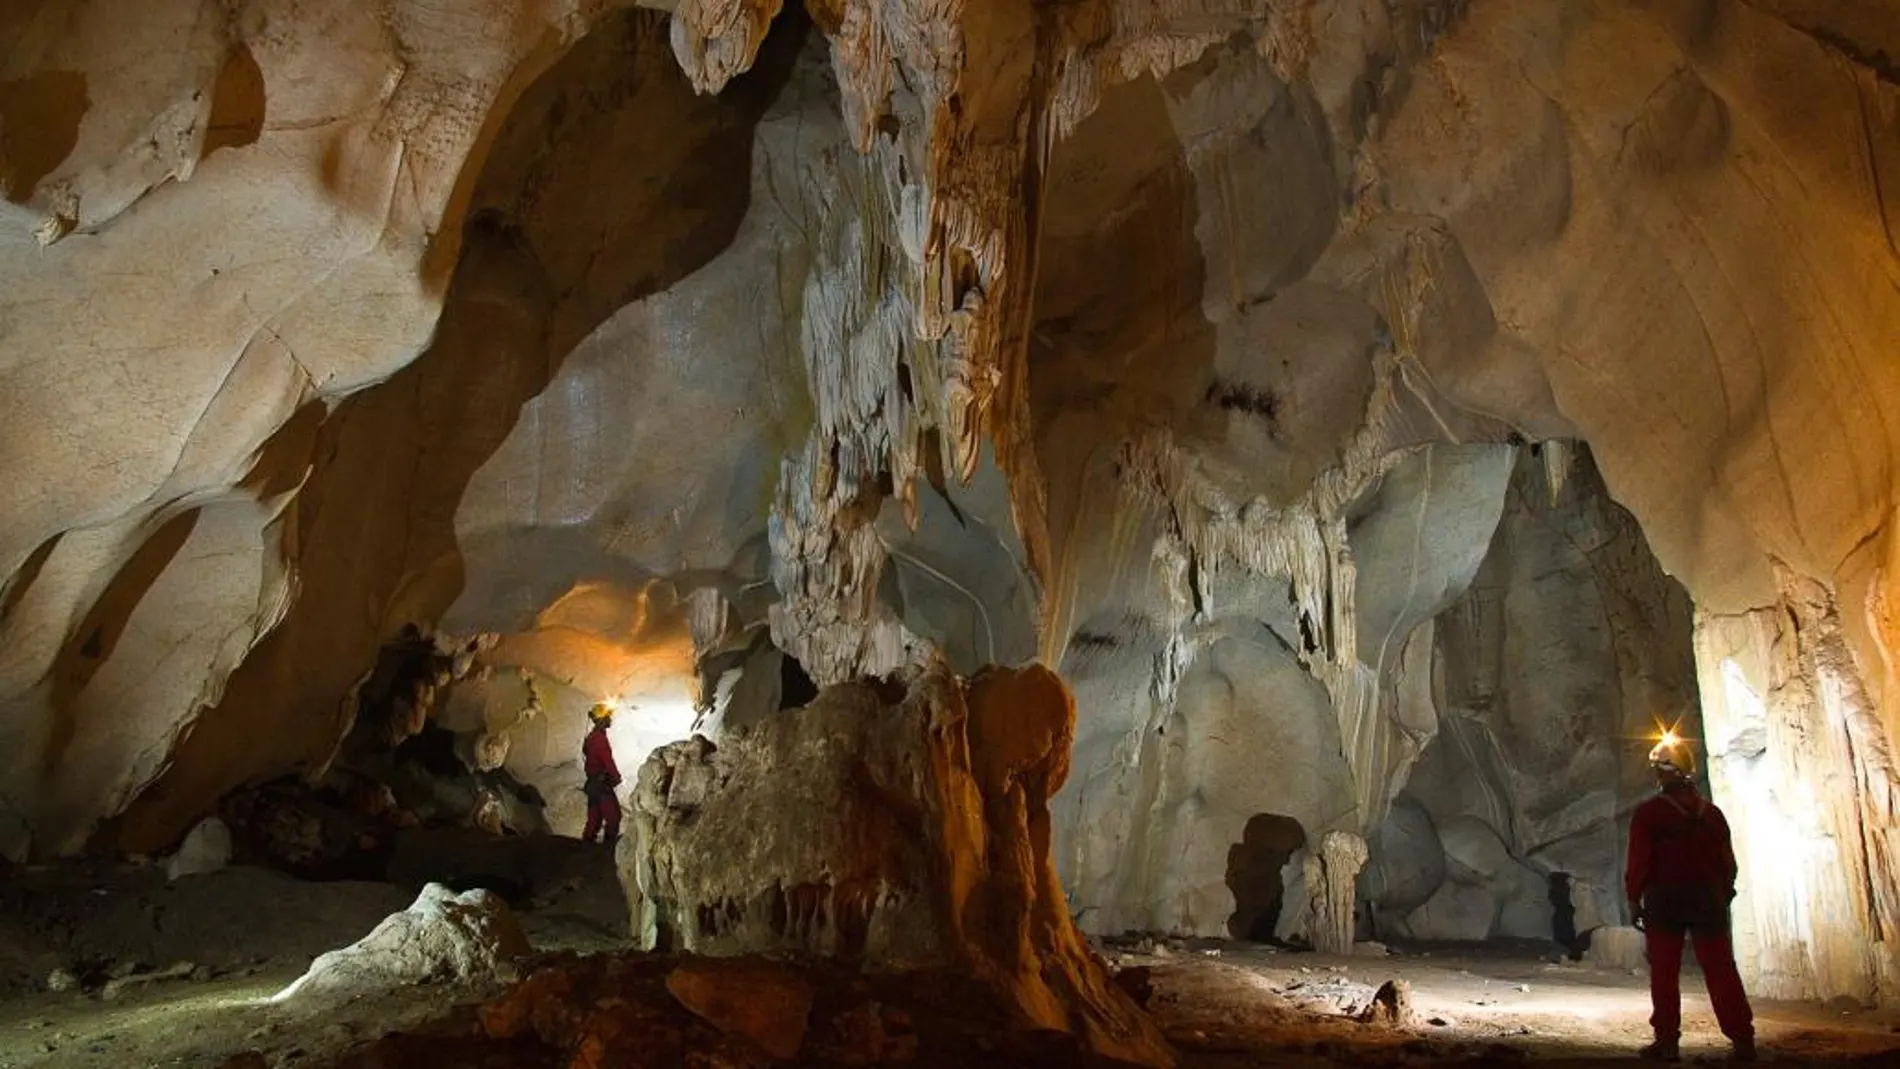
(1252, 1005)
(199, 1024)
(1248, 1006)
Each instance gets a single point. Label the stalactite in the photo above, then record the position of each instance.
(1306, 542)
(1558, 459)
(981, 93)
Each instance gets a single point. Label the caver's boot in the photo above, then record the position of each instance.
(1744, 1050)
(1663, 1050)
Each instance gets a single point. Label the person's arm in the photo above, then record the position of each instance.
(1729, 867)
(1636, 870)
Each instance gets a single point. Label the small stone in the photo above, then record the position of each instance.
(1213, 952)
(1391, 1005)
(61, 980)
(1525, 988)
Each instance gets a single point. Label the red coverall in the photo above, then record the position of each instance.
(603, 807)
(1682, 871)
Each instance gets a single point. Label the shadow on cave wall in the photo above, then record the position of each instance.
(608, 181)
(1253, 874)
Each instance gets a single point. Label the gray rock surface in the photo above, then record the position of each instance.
(470, 937)
(207, 848)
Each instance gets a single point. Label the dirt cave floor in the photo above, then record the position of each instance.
(182, 975)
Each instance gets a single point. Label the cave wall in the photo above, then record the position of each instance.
(216, 219)
(470, 529)
(1797, 757)
(1551, 674)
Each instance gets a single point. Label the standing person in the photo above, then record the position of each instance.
(597, 763)
(1680, 880)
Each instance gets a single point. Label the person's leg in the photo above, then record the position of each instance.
(593, 818)
(1717, 957)
(610, 817)
(1665, 994)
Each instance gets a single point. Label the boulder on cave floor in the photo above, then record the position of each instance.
(470, 937)
(767, 1004)
(1617, 948)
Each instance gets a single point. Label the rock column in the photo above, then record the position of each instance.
(1332, 875)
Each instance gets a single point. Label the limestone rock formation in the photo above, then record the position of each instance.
(1215, 353)
(1797, 757)
(207, 848)
(469, 937)
(1617, 948)
(899, 825)
(1332, 874)
(278, 193)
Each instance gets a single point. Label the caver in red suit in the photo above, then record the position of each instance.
(1680, 881)
(597, 763)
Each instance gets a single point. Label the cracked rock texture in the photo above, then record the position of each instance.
(1276, 371)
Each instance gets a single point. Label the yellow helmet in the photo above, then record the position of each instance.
(1671, 754)
(600, 713)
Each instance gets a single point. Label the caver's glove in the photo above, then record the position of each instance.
(1638, 919)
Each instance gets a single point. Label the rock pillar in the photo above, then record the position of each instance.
(1332, 875)
(896, 824)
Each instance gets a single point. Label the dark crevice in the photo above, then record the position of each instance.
(1267, 843)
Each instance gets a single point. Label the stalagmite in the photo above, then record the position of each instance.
(1332, 874)
(932, 846)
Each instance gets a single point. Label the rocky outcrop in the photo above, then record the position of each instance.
(231, 217)
(470, 937)
(921, 839)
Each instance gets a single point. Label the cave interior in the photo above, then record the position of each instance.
(1110, 532)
